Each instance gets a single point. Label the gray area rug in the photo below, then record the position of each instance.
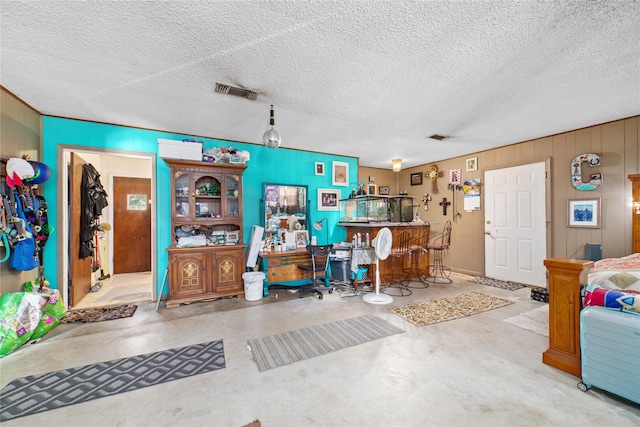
(293, 346)
(536, 320)
(488, 281)
(44, 392)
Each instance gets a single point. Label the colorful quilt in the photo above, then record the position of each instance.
(617, 273)
(629, 262)
(594, 295)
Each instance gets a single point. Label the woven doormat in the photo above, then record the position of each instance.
(488, 281)
(444, 309)
(536, 320)
(99, 314)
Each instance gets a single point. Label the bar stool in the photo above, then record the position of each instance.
(439, 273)
(397, 281)
(419, 249)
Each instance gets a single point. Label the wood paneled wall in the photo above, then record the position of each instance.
(618, 145)
(19, 135)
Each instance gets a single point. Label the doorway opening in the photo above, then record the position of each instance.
(112, 281)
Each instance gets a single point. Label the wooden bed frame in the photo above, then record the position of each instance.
(566, 276)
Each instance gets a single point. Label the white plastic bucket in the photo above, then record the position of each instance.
(253, 285)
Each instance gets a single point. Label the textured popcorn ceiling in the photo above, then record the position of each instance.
(371, 79)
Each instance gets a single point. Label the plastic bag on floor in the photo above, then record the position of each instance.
(52, 312)
(20, 314)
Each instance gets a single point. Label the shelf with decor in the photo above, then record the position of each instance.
(206, 256)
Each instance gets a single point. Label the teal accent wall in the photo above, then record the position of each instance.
(282, 166)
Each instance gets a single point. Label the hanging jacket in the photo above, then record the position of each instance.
(93, 198)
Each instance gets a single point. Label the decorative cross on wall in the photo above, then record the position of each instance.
(426, 199)
(444, 205)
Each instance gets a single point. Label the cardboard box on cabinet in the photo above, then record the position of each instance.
(173, 149)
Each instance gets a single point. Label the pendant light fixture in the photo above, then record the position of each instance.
(271, 138)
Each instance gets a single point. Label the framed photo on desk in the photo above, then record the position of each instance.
(302, 238)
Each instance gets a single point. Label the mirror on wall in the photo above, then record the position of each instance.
(285, 216)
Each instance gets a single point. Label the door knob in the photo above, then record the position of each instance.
(488, 233)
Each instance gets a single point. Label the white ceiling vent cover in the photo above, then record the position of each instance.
(236, 91)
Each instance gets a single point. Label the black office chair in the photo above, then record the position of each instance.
(319, 264)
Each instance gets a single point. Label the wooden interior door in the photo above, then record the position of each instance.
(80, 269)
(131, 225)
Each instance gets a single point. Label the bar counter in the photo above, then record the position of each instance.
(374, 227)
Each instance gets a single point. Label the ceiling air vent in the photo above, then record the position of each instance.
(236, 91)
(437, 137)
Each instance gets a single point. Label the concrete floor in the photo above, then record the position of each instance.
(475, 371)
(119, 289)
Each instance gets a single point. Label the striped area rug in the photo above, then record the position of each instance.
(44, 392)
(293, 346)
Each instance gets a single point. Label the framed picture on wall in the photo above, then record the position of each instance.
(340, 173)
(472, 164)
(416, 178)
(384, 190)
(584, 213)
(328, 199)
(320, 168)
(372, 189)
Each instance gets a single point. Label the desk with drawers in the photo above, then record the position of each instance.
(281, 268)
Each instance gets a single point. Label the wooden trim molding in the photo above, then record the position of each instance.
(635, 219)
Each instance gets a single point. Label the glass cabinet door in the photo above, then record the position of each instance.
(182, 195)
(208, 200)
(233, 195)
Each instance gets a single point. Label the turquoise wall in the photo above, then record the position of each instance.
(282, 166)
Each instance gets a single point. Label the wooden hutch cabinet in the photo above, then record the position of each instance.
(206, 256)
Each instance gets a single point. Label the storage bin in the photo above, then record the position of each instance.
(361, 275)
(340, 270)
(540, 294)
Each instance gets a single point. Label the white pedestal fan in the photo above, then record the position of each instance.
(382, 244)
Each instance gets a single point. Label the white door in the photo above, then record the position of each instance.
(515, 228)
